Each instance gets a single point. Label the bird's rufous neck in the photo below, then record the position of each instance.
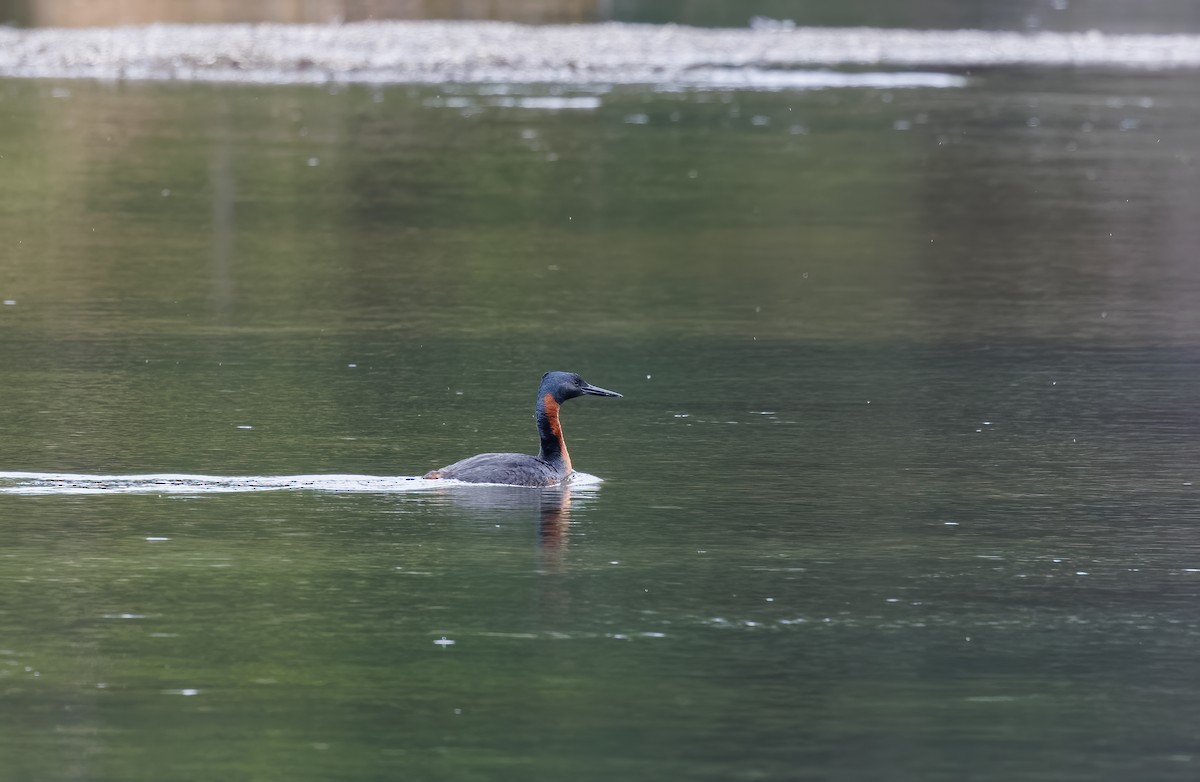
(554, 447)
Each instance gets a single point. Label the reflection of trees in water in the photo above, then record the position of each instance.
(94, 13)
(1049, 210)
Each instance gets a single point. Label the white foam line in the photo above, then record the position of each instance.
(575, 55)
(34, 483)
(712, 79)
(179, 483)
(763, 79)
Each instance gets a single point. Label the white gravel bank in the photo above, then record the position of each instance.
(495, 52)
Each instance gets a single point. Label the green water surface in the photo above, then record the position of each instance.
(901, 487)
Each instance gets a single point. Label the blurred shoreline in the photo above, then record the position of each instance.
(431, 52)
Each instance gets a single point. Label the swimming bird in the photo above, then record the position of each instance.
(552, 464)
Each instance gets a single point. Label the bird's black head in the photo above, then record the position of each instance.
(568, 385)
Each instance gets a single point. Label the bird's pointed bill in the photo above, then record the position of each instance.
(588, 388)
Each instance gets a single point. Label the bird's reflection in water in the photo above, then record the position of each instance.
(554, 520)
(550, 507)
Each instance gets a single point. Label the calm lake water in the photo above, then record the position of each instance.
(902, 485)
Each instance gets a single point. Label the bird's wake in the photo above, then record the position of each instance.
(34, 483)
